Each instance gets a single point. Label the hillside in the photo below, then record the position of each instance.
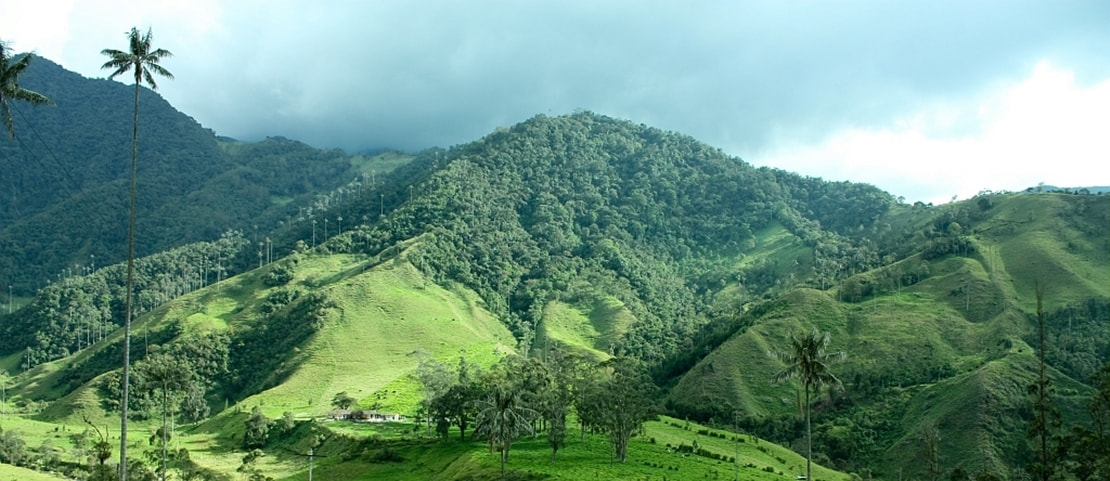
(950, 348)
(65, 179)
(609, 240)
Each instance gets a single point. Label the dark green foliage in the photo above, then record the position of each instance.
(456, 404)
(622, 402)
(11, 68)
(263, 355)
(107, 357)
(343, 401)
(1084, 450)
(81, 310)
(257, 430)
(200, 363)
(279, 298)
(1076, 340)
(65, 202)
(13, 450)
(279, 275)
(387, 455)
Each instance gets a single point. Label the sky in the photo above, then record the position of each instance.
(928, 100)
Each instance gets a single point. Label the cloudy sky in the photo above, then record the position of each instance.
(925, 99)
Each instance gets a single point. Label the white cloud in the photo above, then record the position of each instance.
(41, 26)
(1045, 128)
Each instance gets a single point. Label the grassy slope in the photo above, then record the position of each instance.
(935, 322)
(589, 327)
(12, 473)
(386, 313)
(388, 317)
(589, 459)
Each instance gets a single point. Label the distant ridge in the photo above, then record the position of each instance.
(1095, 190)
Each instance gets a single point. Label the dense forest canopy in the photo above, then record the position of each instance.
(65, 180)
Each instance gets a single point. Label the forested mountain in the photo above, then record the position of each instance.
(64, 180)
(593, 208)
(605, 238)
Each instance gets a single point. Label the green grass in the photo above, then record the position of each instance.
(387, 319)
(649, 457)
(569, 326)
(35, 432)
(381, 164)
(589, 326)
(13, 473)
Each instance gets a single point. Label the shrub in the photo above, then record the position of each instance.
(387, 455)
(280, 275)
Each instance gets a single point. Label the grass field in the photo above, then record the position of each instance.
(13, 473)
(389, 318)
(654, 455)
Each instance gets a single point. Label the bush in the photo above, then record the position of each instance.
(387, 455)
(280, 275)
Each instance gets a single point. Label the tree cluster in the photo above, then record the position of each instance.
(520, 396)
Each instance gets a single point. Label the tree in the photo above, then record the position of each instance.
(143, 61)
(343, 401)
(1087, 446)
(248, 467)
(808, 361)
(456, 404)
(556, 397)
(435, 378)
(258, 426)
(503, 417)
(931, 437)
(624, 400)
(1046, 419)
(101, 451)
(13, 450)
(167, 375)
(455, 407)
(586, 386)
(9, 86)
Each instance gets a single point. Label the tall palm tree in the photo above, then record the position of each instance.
(10, 89)
(143, 61)
(169, 376)
(808, 361)
(504, 417)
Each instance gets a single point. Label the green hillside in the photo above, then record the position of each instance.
(951, 350)
(385, 317)
(561, 257)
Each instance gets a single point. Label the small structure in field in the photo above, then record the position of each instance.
(366, 416)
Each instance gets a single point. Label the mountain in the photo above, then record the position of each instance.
(66, 176)
(606, 238)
